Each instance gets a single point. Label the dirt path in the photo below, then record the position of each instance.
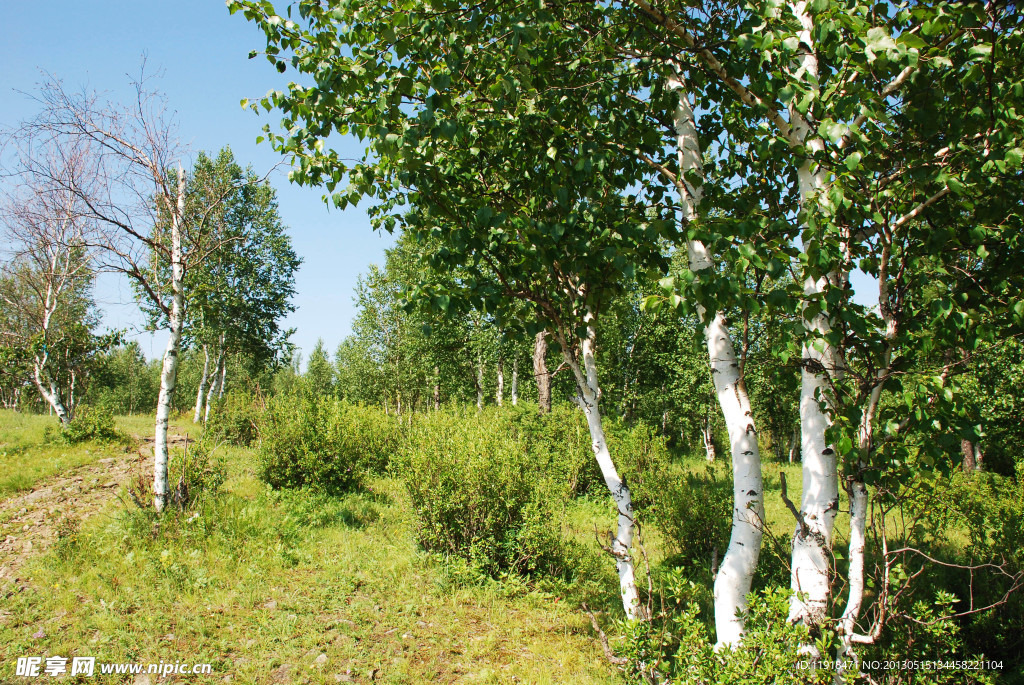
(30, 519)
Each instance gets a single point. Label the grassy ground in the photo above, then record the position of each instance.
(291, 587)
(279, 588)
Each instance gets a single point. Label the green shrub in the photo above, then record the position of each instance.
(196, 472)
(480, 494)
(324, 444)
(694, 513)
(236, 418)
(94, 423)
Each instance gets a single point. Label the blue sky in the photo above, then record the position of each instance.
(202, 53)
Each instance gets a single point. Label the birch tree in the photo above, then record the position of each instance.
(140, 192)
(47, 274)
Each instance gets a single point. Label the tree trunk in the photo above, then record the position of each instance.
(213, 384)
(499, 393)
(967, 449)
(812, 546)
(515, 381)
(708, 438)
(223, 378)
(437, 388)
(50, 392)
(541, 373)
(479, 382)
(201, 391)
(736, 573)
(169, 372)
(589, 396)
(858, 523)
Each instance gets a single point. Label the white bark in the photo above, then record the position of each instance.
(223, 378)
(709, 443)
(812, 546)
(50, 391)
(589, 397)
(214, 381)
(858, 523)
(169, 371)
(499, 393)
(201, 391)
(479, 382)
(515, 381)
(736, 573)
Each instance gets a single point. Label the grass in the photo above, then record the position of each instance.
(28, 456)
(261, 584)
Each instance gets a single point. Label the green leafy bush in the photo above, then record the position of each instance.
(482, 495)
(694, 513)
(324, 444)
(196, 472)
(94, 423)
(236, 418)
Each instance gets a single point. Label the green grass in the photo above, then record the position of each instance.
(29, 452)
(26, 456)
(261, 580)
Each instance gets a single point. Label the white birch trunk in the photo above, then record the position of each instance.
(736, 573)
(479, 382)
(169, 371)
(515, 381)
(858, 524)
(50, 391)
(223, 378)
(812, 547)
(201, 392)
(499, 393)
(708, 438)
(213, 384)
(589, 396)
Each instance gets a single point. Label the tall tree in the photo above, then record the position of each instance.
(46, 279)
(140, 193)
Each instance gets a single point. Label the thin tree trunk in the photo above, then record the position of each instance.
(541, 373)
(848, 623)
(589, 396)
(437, 388)
(223, 378)
(201, 392)
(736, 572)
(499, 393)
(50, 391)
(479, 382)
(213, 384)
(812, 542)
(708, 438)
(169, 372)
(515, 381)
(735, 575)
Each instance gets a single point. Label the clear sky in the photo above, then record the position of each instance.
(202, 53)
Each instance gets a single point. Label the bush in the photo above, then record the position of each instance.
(197, 472)
(236, 418)
(694, 513)
(481, 494)
(324, 444)
(92, 423)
